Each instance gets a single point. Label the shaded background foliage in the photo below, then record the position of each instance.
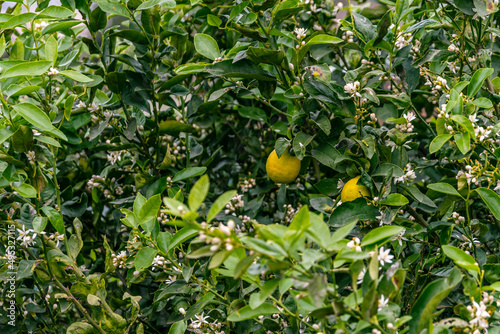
(126, 126)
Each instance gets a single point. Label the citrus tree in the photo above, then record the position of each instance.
(260, 166)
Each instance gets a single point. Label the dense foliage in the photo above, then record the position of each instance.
(134, 137)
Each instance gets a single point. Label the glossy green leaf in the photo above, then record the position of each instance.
(247, 312)
(381, 235)
(444, 188)
(427, 302)
(34, 115)
(198, 193)
(219, 204)
(438, 142)
(144, 258)
(477, 80)
(206, 46)
(491, 199)
(76, 76)
(27, 69)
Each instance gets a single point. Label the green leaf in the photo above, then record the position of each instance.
(59, 26)
(444, 188)
(460, 257)
(463, 142)
(34, 115)
(188, 173)
(247, 312)
(491, 199)
(57, 12)
(297, 228)
(51, 50)
(254, 113)
(27, 69)
(76, 76)
(206, 46)
(264, 55)
(477, 80)
(178, 327)
(26, 190)
(323, 39)
(18, 20)
(48, 141)
(438, 142)
(432, 295)
(55, 218)
(219, 204)
(113, 7)
(242, 69)
(381, 235)
(483, 102)
(353, 211)
(151, 3)
(5, 134)
(173, 128)
(181, 236)
(80, 328)
(198, 193)
(39, 224)
(465, 123)
(395, 200)
(213, 20)
(144, 258)
(149, 210)
(258, 298)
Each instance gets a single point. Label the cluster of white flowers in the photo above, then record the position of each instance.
(234, 204)
(247, 185)
(416, 46)
(403, 40)
(453, 48)
(408, 176)
(200, 325)
(163, 218)
(471, 174)
(352, 88)
(457, 218)
(373, 119)
(53, 71)
(442, 112)
(27, 236)
(158, 261)
(57, 237)
(31, 155)
(208, 235)
(355, 244)
(96, 181)
(469, 242)
(40, 26)
(438, 85)
(300, 33)
(407, 127)
(480, 314)
(119, 260)
(217, 60)
(481, 133)
(115, 156)
(179, 150)
(348, 36)
(290, 212)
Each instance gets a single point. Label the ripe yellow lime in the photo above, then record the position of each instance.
(351, 190)
(284, 169)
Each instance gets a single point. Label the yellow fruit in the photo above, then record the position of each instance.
(351, 190)
(284, 169)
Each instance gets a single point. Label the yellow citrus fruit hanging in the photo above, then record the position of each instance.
(284, 169)
(351, 190)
